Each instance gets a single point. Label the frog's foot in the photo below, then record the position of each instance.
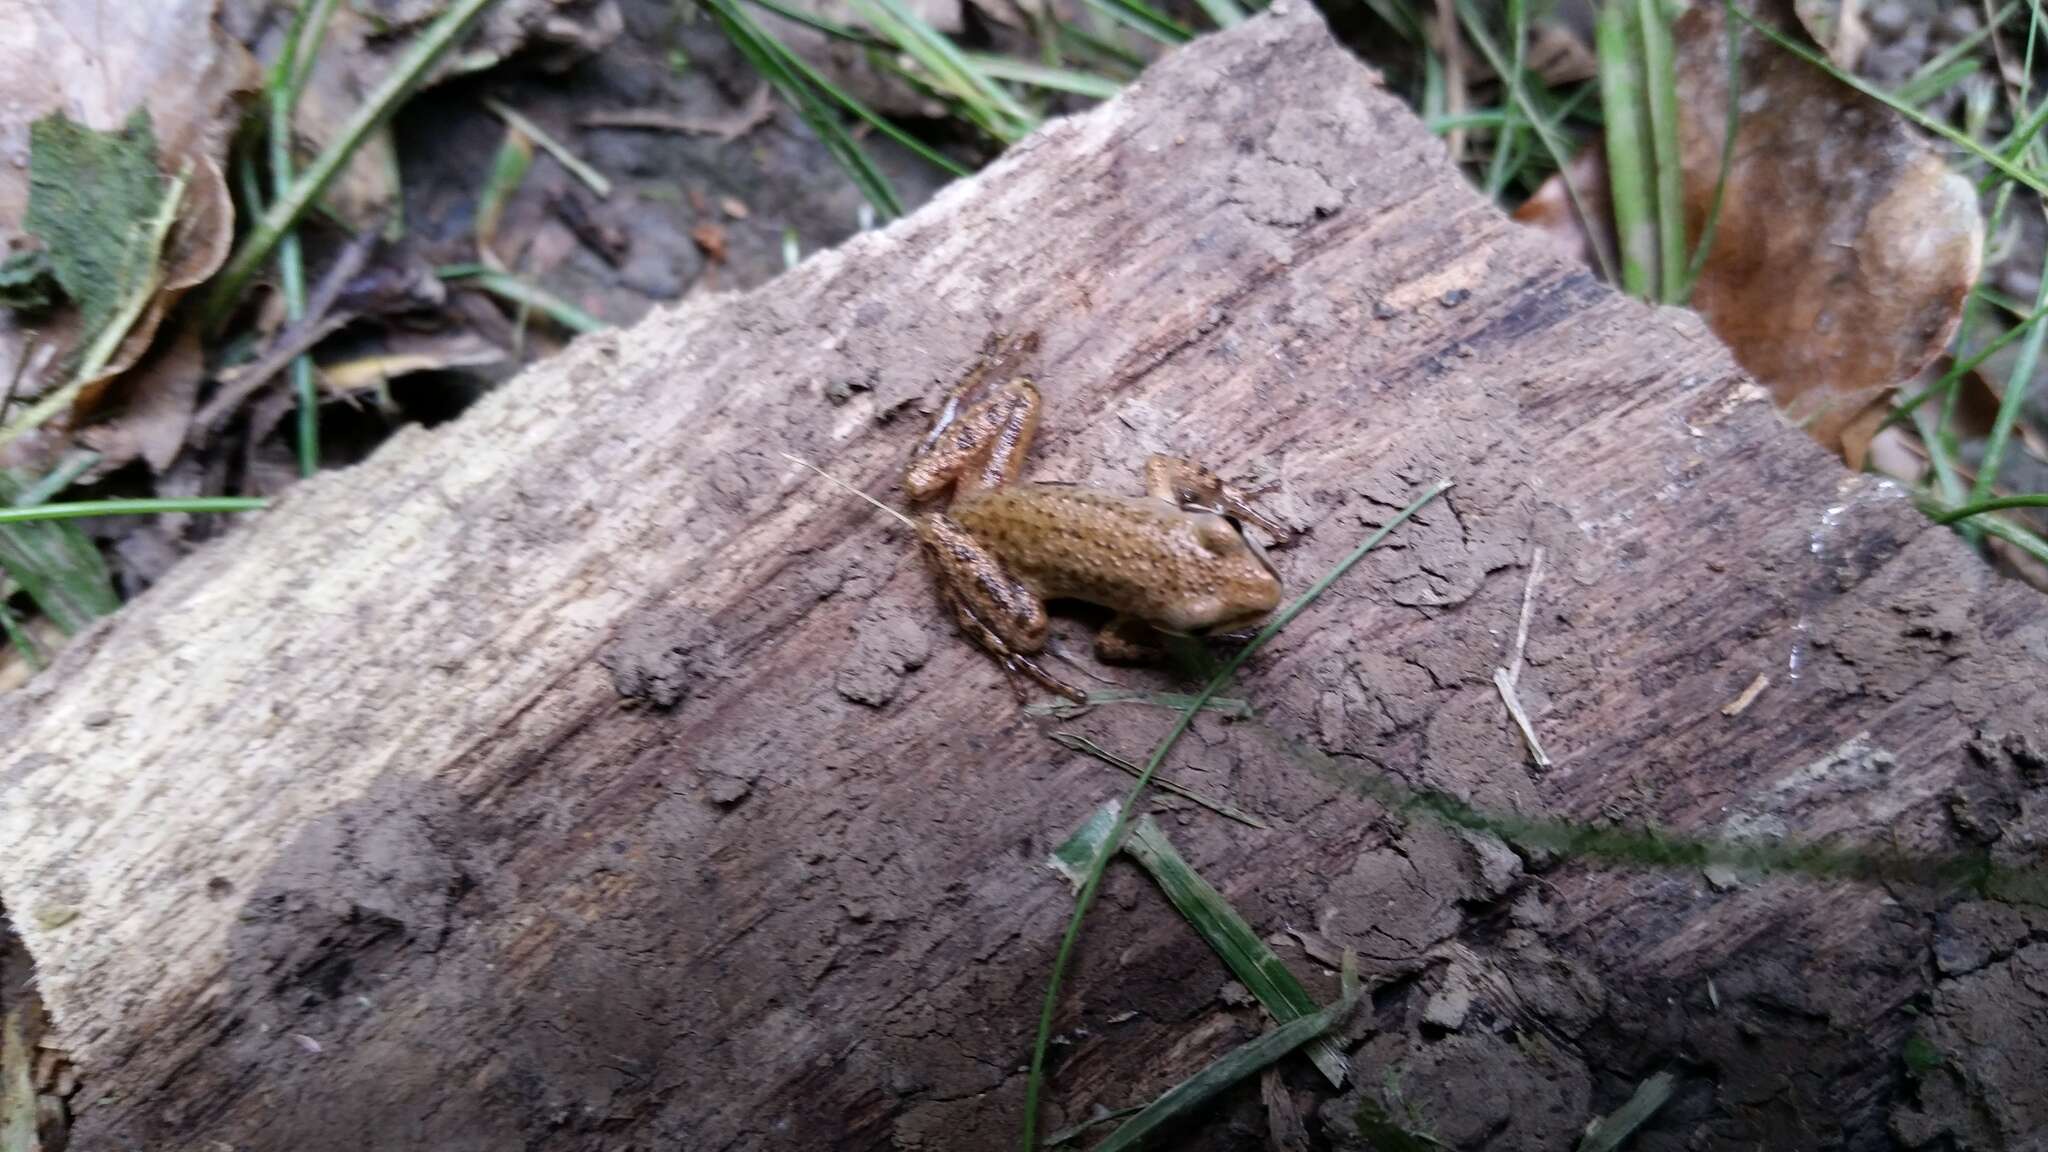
(1186, 484)
(1129, 640)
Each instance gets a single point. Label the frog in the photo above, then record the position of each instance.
(1175, 561)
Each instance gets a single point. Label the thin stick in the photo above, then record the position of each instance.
(1521, 718)
(1528, 609)
(1080, 743)
(830, 478)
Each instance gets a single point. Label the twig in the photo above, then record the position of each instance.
(1741, 703)
(316, 322)
(751, 115)
(1528, 609)
(591, 177)
(1521, 718)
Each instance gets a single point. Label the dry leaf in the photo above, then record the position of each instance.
(710, 238)
(755, 112)
(1550, 212)
(1845, 246)
(734, 207)
(1837, 26)
(98, 64)
(1559, 56)
(155, 409)
(403, 353)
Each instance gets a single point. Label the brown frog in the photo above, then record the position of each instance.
(1174, 560)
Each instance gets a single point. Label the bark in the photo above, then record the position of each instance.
(584, 775)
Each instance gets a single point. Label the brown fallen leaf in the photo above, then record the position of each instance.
(98, 64)
(1845, 246)
(1837, 26)
(152, 406)
(1549, 210)
(710, 238)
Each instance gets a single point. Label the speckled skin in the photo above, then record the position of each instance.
(1138, 555)
(1004, 548)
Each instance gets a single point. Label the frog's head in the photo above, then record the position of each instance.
(1241, 586)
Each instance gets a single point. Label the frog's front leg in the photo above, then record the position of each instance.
(979, 448)
(1186, 484)
(999, 612)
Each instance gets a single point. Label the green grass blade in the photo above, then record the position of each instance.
(1245, 1060)
(1035, 1081)
(376, 108)
(508, 172)
(1546, 133)
(1222, 13)
(2002, 162)
(1611, 1131)
(776, 64)
(1144, 19)
(2033, 545)
(1253, 963)
(55, 564)
(984, 100)
(17, 636)
(287, 79)
(511, 288)
(1044, 76)
(88, 509)
(1644, 846)
(1080, 743)
(818, 23)
(309, 29)
(65, 474)
(1993, 504)
(1628, 160)
(1660, 84)
(577, 167)
(1965, 366)
(1733, 116)
(1951, 64)
(108, 340)
(1105, 51)
(2017, 385)
(1506, 142)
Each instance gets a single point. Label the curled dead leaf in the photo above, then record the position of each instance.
(101, 65)
(1845, 246)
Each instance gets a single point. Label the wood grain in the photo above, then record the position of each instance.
(584, 775)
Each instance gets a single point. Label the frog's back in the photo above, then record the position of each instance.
(1134, 554)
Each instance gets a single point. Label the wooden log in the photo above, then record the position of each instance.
(585, 775)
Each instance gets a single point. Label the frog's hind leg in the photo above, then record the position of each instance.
(999, 612)
(1186, 484)
(980, 448)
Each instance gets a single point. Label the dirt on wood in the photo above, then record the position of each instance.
(583, 775)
